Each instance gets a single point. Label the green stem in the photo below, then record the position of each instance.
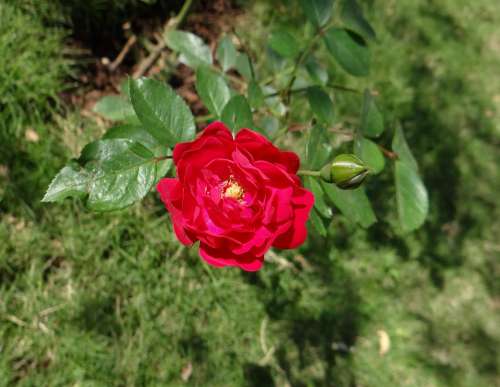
(161, 158)
(181, 16)
(302, 89)
(387, 153)
(280, 133)
(299, 61)
(246, 50)
(173, 24)
(343, 88)
(267, 81)
(205, 118)
(305, 172)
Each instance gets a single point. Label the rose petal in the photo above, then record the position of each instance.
(215, 130)
(297, 233)
(262, 149)
(201, 153)
(171, 194)
(222, 258)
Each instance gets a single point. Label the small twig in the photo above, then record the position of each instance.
(387, 153)
(13, 319)
(205, 118)
(147, 63)
(180, 250)
(245, 49)
(275, 94)
(300, 59)
(302, 89)
(173, 23)
(123, 53)
(161, 158)
(272, 257)
(305, 172)
(347, 133)
(343, 88)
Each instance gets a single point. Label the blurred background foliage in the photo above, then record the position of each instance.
(109, 299)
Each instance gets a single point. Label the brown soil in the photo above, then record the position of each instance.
(208, 19)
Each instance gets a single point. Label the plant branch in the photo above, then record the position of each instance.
(161, 158)
(172, 24)
(181, 16)
(204, 118)
(245, 49)
(302, 89)
(119, 59)
(343, 88)
(300, 60)
(387, 153)
(305, 172)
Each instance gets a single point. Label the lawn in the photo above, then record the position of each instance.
(92, 299)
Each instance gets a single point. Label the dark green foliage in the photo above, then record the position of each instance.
(212, 89)
(237, 113)
(349, 50)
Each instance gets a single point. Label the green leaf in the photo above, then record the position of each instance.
(226, 53)
(317, 73)
(284, 43)
(400, 146)
(114, 173)
(255, 95)
(354, 204)
(125, 88)
(162, 168)
(317, 222)
(269, 125)
(162, 112)
(411, 194)
(114, 108)
(313, 185)
(318, 148)
(318, 12)
(244, 66)
(372, 120)
(237, 113)
(349, 50)
(139, 134)
(274, 103)
(369, 153)
(212, 89)
(353, 17)
(132, 132)
(411, 197)
(121, 172)
(71, 181)
(194, 52)
(321, 105)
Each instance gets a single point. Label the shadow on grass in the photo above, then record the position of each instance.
(258, 376)
(313, 327)
(98, 315)
(431, 130)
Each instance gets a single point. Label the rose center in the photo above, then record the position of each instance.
(232, 189)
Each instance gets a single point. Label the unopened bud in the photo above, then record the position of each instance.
(346, 171)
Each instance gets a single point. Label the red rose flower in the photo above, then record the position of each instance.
(237, 196)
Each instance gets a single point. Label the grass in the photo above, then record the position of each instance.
(31, 68)
(110, 300)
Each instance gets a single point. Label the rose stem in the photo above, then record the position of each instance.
(305, 172)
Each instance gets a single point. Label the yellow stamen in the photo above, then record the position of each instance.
(233, 190)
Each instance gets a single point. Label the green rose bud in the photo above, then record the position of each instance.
(347, 171)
